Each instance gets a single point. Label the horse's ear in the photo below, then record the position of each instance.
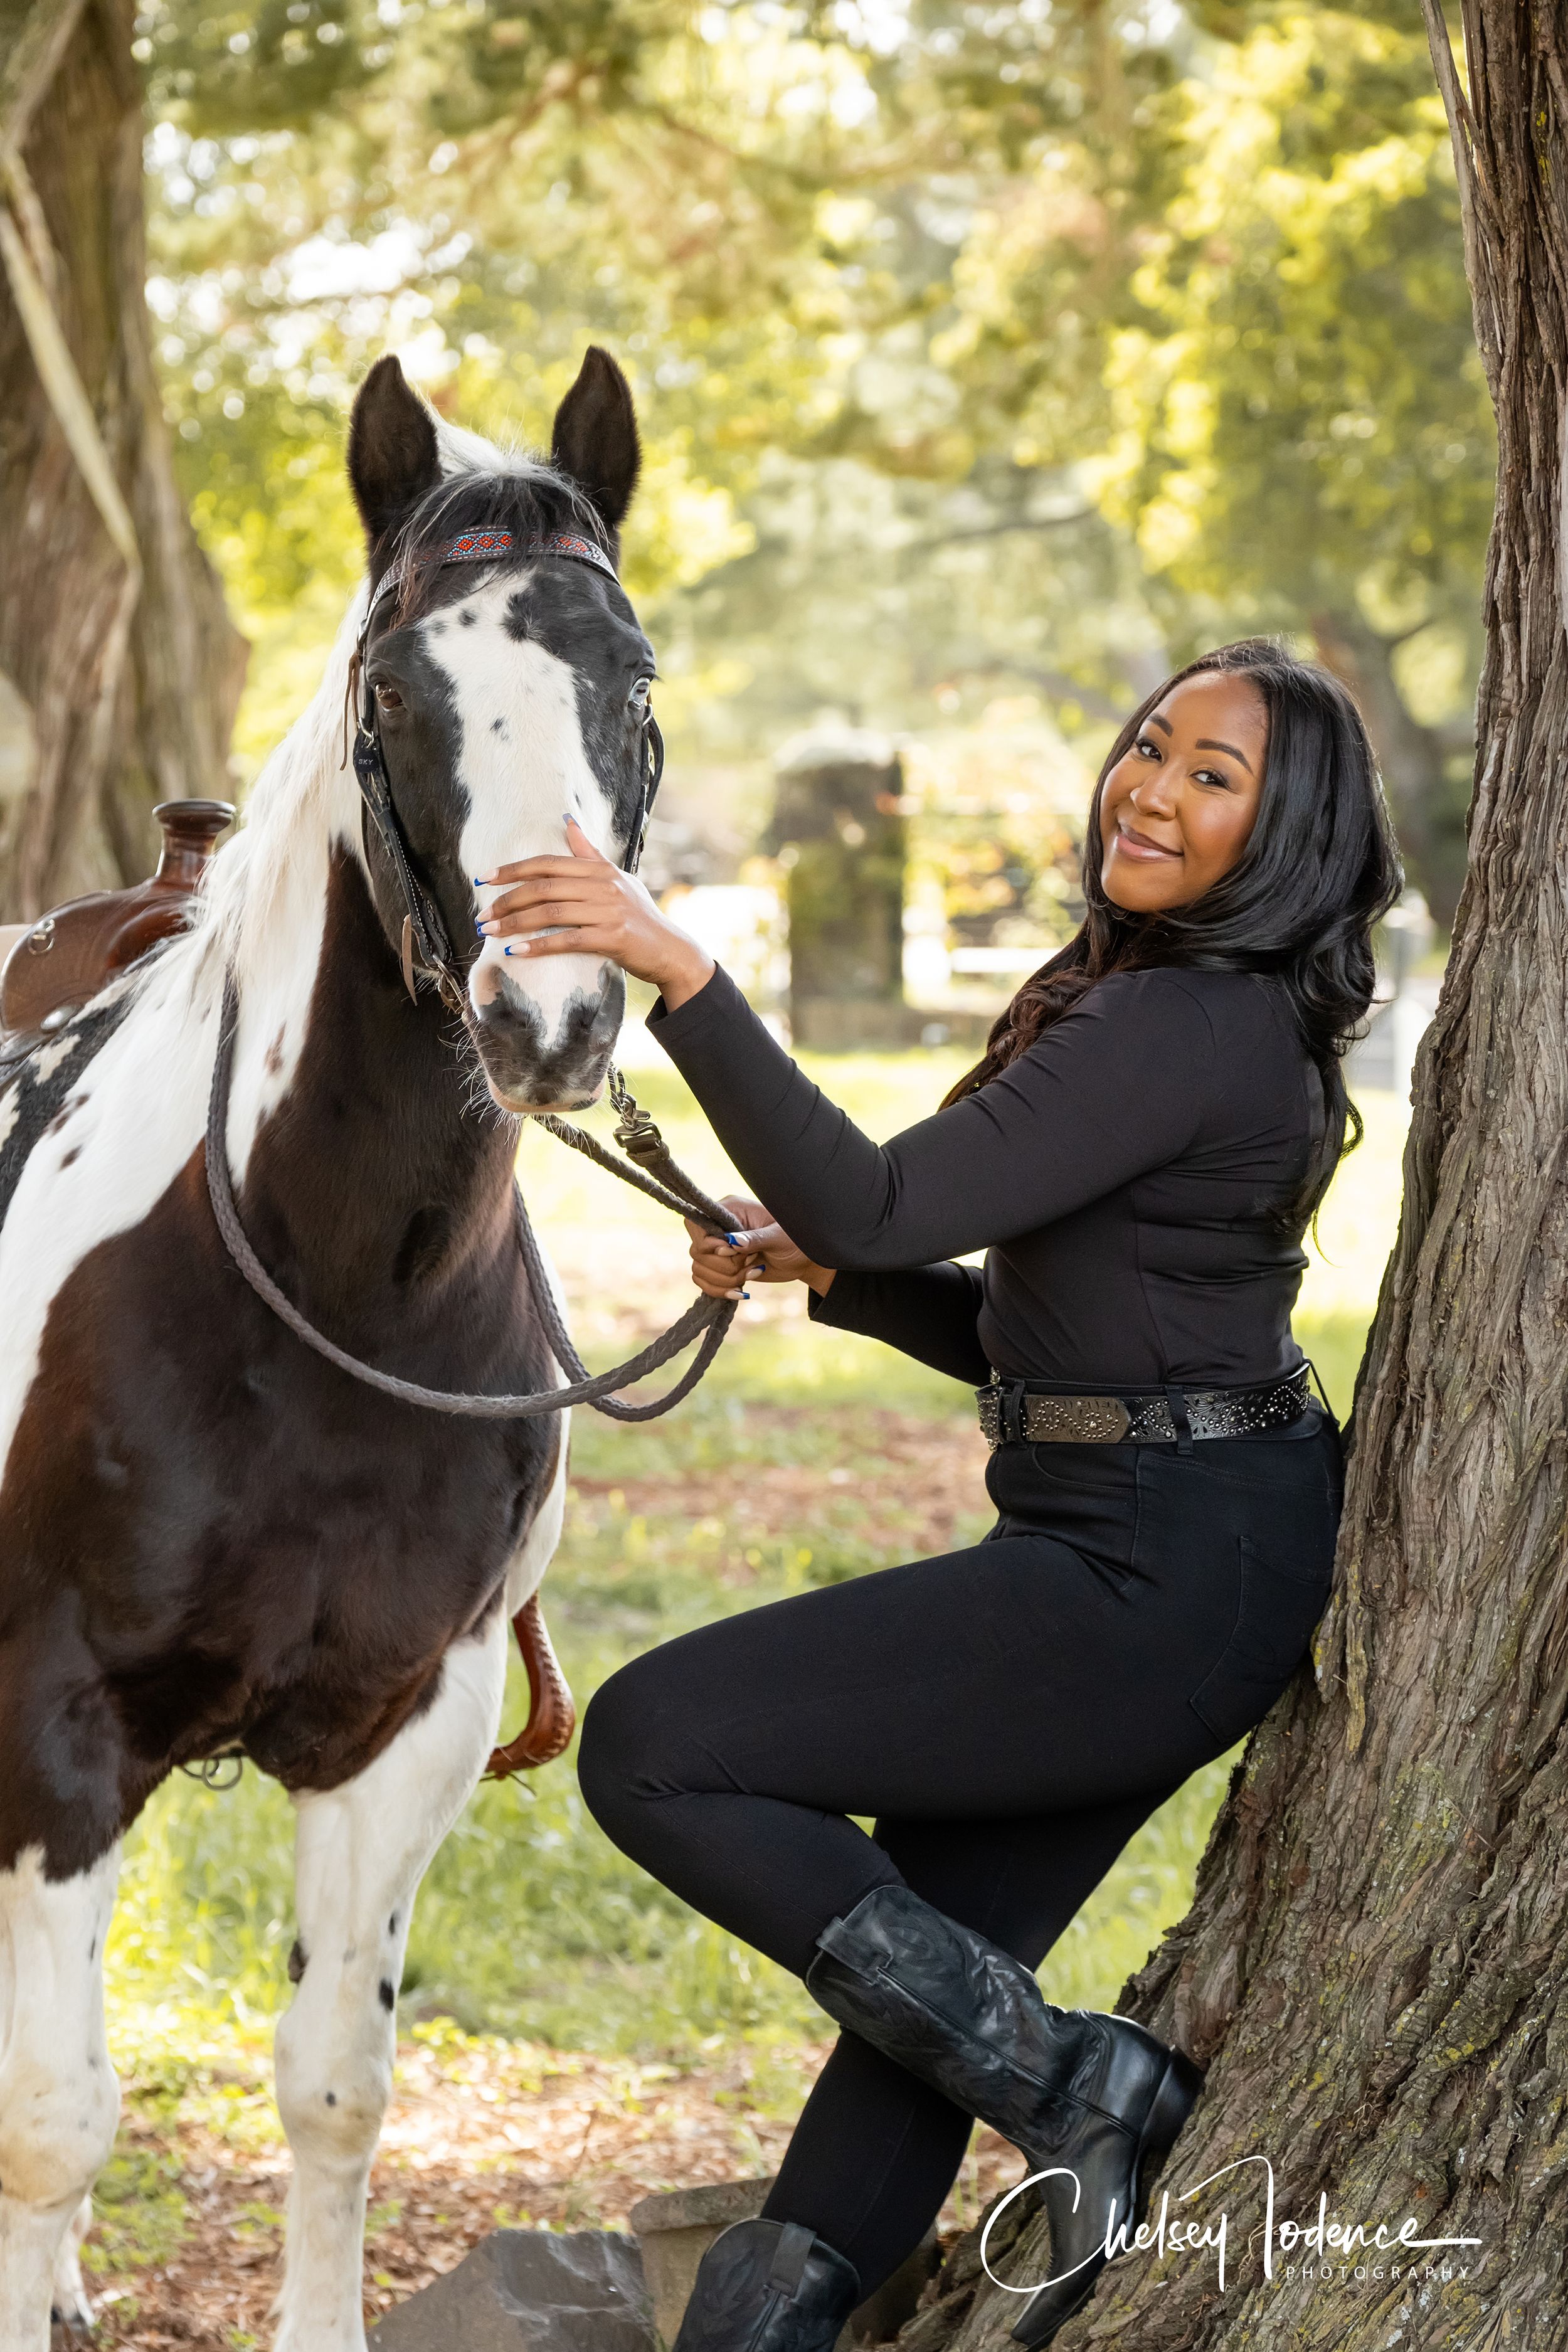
(595, 436)
(393, 455)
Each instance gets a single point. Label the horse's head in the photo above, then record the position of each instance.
(508, 692)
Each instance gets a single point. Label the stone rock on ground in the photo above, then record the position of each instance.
(676, 2227)
(531, 2291)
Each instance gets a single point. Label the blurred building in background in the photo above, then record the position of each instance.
(901, 887)
(839, 831)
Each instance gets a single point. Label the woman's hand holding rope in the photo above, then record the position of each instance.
(759, 1249)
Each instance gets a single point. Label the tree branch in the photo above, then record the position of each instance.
(1054, 682)
(1474, 195)
(57, 369)
(32, 64)
(994, 531)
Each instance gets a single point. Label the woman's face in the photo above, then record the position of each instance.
(1178, 807)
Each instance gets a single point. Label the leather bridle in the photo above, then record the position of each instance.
(426, 944)
(649, 1166)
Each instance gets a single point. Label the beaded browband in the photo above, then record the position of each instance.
(490, 547)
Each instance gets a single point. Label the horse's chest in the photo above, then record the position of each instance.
(252, 1536)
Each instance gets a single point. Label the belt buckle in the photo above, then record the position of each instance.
(1001, 1407)
(988, 1402)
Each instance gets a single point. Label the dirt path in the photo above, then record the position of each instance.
(480, 2134)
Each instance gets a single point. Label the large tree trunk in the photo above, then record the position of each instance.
(1374, 1969)
(119, 669)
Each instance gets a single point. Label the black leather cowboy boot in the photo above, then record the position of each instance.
(1073, 2087)
(768, 2286)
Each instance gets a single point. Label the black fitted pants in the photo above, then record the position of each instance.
(1010, 1714)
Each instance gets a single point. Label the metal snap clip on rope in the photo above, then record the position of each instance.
(208, 1770)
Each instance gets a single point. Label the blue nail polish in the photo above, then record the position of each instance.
(733, 1240)
(745, 1293)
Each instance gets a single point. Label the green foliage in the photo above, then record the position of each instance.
(139, 2211)
(1304, 421)
(1016, 873)
(1030, 345)
(513, 51)
(264, 475)
(266, 67)
(1335, 1343)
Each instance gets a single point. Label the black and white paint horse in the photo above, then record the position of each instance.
(208, 1536)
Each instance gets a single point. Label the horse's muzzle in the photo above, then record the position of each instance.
(537, 1057)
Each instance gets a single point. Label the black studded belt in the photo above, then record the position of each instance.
(1010, 1411)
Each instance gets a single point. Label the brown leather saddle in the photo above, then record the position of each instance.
(57, 966)
(67, 955)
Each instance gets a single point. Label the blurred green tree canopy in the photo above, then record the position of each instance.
(979, 349)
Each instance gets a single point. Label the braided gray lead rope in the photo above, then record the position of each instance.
(687, 1199)
(591, 1388)
(710, 1316)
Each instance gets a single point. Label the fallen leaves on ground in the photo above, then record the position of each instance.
(481, 2133)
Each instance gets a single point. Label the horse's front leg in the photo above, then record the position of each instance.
(58, 2098)
(360, 1855)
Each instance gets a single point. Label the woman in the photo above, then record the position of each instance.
(1156, 1115)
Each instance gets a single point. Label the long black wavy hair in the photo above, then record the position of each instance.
(1319, 868)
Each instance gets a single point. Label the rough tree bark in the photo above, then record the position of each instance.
(119, 670)
(1374, 1969)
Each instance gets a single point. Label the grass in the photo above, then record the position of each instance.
(529, 1923)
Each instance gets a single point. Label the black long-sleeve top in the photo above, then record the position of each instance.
(1125, 1175)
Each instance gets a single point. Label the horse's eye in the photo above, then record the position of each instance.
(388, 697)
(640, 692)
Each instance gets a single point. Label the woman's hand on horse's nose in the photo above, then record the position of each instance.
(581, 903)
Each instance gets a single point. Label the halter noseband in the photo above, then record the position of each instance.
(426, 942)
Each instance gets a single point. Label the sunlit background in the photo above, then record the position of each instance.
(990, 360)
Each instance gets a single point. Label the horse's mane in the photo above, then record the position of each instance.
(302, 796)
(305, 796)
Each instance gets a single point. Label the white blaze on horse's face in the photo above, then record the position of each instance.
(508, 699)
(545, 1028)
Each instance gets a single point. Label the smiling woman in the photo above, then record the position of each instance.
(1177, 807)
(1239, 823)
(1156, 1114)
